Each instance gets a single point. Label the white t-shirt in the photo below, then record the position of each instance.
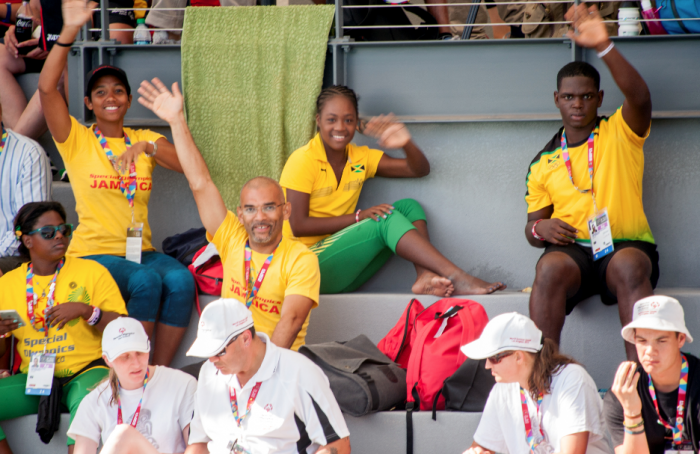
(168, 404)
(573, 406)
(295, 410)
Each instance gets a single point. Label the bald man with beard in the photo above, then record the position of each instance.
(278, 279)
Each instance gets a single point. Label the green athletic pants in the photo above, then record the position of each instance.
(350, 257)
(15, 403)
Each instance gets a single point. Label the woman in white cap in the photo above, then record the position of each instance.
(652, 408)
(140, 408)
(543, 401)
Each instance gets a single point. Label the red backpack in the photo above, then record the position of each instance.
(427, 343)
(208, 272)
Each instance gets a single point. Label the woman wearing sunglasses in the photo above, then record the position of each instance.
(61, 306)
(139, 409)
(543, 401)
(110, 168)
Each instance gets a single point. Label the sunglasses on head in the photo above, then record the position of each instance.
(495, 359)
(48, 232)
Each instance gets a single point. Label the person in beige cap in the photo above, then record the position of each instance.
(652, 407)
(254, 397)
(543, 401)
(140, 408)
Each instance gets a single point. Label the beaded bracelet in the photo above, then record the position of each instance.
(534, 232)
(357, 216)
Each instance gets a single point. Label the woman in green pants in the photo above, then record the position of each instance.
(323, 180)
(62, 305)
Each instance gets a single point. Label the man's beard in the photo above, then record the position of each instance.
(261, 239)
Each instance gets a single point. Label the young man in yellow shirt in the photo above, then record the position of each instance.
(278, 279)
(587, 182)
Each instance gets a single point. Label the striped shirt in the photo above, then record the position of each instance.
(25, 176)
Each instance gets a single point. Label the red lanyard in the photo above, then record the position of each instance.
(135, 418)
(529, 436)
(32, 298)
(252, 288)
(234, 402)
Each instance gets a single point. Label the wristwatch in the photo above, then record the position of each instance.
(155, 150)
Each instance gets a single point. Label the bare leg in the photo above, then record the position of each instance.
(127, 440)
(440, 13)
(499, 31)
(557, 278)
(628, 278)
(427, 282)
(416, 249)
(168, 340)
(11, 94)
(5, 447)
(148, 327)
(70, 449)
(124, 35)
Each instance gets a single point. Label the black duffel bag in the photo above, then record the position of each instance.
(467, 389)
(362, 378)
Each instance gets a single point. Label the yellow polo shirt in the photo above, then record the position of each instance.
(618, 169)
(307, 170)
(293, 271)
(103, 210)
(77, 344)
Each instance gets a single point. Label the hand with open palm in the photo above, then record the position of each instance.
(166, 104)
(587, 27)
(76, 13)
(389, 132)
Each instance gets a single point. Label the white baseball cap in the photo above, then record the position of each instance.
(221, 320)
(124, 334)
(658, 312)
(506, 332)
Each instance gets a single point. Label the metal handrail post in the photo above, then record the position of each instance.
(338, 19)
(104, 20)
(576, 52)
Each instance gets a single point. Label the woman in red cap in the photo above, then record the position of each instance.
(110, 169)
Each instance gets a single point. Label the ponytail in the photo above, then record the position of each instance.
(548, 362)
(113, 384)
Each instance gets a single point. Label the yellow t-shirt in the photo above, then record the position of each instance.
(77, 344)
(307, 170)
(618, 169)
(293, 271)
(103, 210)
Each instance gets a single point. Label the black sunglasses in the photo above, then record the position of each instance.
(223, 352)
(48, 232)
(495, 359)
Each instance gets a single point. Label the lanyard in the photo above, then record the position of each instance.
(128, 188)
(32, 298)
(4, 138)
(253, 287)
(234, 402)
(567, 162)
(528, 424)
(677, 429)
(137, 413)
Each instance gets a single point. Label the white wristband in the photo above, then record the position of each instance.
(606, 51)
(155, 150)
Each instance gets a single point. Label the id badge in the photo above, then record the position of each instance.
(601, 234)
(134, 241)
(234, 447)
(40, 374)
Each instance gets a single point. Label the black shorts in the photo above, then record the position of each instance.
(33, 65)
(593, 272)
(117, 17)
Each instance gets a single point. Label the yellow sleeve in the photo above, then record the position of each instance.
(229, 232)
(620, 128)
(146, 135)
(106, 293)
(297, 174)
(305, 278)
(536, 196)
(373, 158)
(76, 142)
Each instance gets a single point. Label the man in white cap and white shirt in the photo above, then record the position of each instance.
(256, 398)
(654, 408)
(542, 403)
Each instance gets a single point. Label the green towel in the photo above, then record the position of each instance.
(251, 75)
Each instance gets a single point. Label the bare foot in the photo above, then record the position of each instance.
(429, 283)
(466, 284)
